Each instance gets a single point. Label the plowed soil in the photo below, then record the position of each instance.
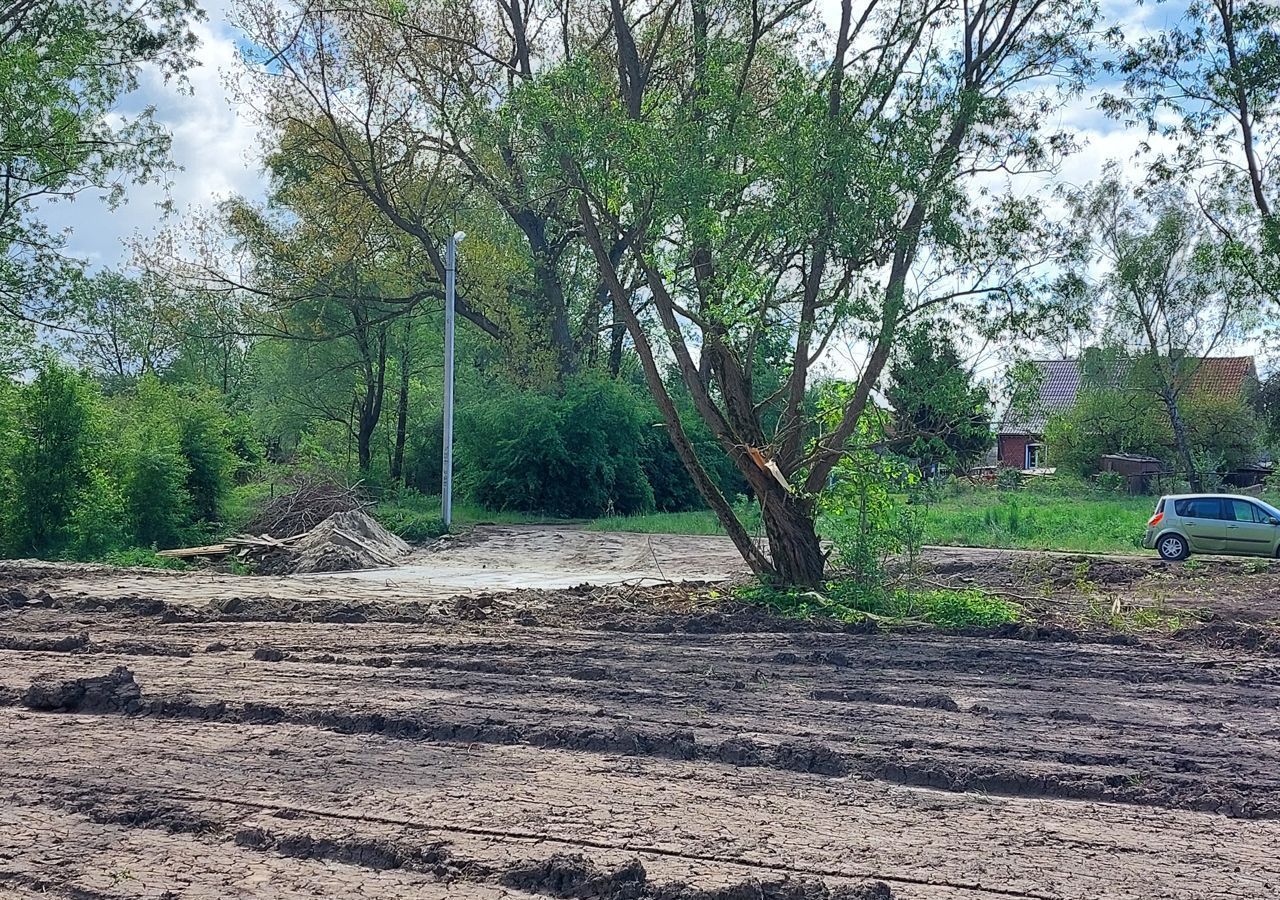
(342, 738)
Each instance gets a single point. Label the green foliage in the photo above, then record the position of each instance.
(1111, 483)
(1008, 478)
(852, 602)
(204, 441)
(575, 453)
(156, 474)
(85, 475)
(50, 459)
(64, 64)
(413, 516)
(100, 522)
(142, 557)
(940, 416)
(243, 502)
(1126, 419)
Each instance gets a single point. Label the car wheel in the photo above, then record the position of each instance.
(1172, 547)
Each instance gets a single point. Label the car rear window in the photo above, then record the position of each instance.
(1199, 508)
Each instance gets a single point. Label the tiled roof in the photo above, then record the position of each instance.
(1223, 376)
(1060, 385)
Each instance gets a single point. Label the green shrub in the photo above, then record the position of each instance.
(571, 454)
(242, 503)
(204, 442)
(413, 516)
(1111, 483)
(849, 600)
(952, 608)
(155, 485)
(1008, 478)
(49, 466)
(100, 521)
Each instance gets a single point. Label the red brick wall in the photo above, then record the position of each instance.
(1013, 450)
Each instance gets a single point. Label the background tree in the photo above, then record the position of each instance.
(403, 99)
(119, 326)
(49, 460)
(941, 417)
(64, 64)
(1165, 292)
(1266, 405)
(1216, 69)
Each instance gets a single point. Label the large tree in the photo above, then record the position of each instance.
(1209, 82)
(64, 64)
(397, 97)
(765, 184)
(941, 417)
(331, 277)
(1165, 288)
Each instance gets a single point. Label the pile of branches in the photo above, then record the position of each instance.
(309, 502)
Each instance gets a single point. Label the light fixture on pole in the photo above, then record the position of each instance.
(446, 475)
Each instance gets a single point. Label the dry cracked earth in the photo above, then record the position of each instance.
(572, 745)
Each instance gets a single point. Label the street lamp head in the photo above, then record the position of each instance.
(458, 236)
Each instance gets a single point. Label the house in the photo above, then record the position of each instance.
(1020, 434)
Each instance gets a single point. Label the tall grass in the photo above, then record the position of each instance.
(1005, 520)
(701, 521)
(1035, 522)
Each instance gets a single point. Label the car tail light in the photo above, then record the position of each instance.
(1156, 519)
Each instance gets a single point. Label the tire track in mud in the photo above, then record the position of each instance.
(624, 680)
(119, 693)
(565, 874)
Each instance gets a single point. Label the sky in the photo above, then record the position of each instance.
(217, 148)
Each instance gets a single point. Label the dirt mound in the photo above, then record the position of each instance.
(114, 692)
(346, 541)
(343, 542)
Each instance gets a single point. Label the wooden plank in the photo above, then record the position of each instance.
(188, 552)
(376, 554)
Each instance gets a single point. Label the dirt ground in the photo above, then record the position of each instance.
(195, 735)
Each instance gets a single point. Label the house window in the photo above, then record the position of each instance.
(1035, 456)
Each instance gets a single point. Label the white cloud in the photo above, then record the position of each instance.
(214, 144)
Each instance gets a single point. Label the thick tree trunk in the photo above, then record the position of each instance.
(793, 541)
(1181, 440)
(402, 407)
(370, 404)
(618, 333)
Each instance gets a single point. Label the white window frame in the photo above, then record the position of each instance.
(1033, 452)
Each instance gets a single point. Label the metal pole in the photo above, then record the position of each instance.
(446, 478)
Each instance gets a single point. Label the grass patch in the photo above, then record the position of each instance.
(412, 516)
(417, 517)
(701, 521)
(1128, 620)
(143, 557)
(1032, 522)
(998, 519)
(846, 601)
